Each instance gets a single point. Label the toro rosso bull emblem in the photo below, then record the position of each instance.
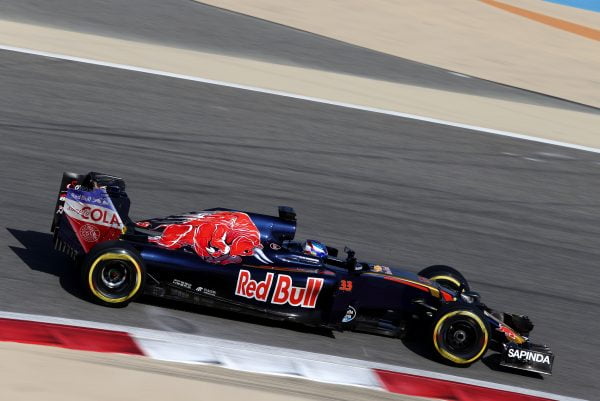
(218, 237)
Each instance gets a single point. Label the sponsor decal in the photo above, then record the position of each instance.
(350, 315)
(381, 269)
(528, 356)
(183, 284)
(274, 246)
(508, 332)
(89, 233)
(252, 289)
(206, 291)
(284, 291)
(143, 224)
(92, 216)
(305, 297)
(95, 215)
(220, 237)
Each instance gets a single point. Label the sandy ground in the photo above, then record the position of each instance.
(65, 375)
(542, 121)
(465, 36)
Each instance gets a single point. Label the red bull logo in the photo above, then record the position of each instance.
(219, 237)
(510, 334)
(252, 289)
(305, 297)
(285, 292)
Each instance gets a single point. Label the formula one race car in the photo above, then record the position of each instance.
(250, 263)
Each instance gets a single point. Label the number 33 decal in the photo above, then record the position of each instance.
(346, 285)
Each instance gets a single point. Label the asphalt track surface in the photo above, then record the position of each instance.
(518, 218)
(191, 25)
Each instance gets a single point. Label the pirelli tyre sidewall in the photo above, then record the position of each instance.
(113, 274)
(460, 334)
(447, 276)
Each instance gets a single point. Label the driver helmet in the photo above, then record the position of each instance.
(315, 248)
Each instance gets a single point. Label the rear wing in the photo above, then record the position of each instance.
(90, 209)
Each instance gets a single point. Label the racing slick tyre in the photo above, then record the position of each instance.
(460, 334)
(447, 276)
(113, 274)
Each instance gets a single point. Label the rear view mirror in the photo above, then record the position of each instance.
(351, 263)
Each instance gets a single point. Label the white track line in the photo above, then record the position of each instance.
(300, 97)
(233, 346)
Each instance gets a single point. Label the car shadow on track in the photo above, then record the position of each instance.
(38, 254)
(233, 315)
(413, 341)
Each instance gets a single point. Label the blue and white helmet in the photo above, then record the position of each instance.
(315, 248)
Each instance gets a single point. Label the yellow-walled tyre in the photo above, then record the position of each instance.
(460, 334)
(113, 274)
(447, 276)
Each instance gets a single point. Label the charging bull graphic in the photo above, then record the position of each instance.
(218, 237)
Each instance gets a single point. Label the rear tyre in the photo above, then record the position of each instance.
(113, 274)
(446, 276)
(460, 334)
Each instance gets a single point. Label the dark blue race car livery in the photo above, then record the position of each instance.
(250, 263)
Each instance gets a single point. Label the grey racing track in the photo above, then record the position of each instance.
(519, 219)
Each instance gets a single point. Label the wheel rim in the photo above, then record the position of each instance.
(447, 281)
(115, 277)
(460, 336)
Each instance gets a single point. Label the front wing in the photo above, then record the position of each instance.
(530, 357)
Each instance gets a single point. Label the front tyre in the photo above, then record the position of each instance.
(447, 276)
(460, 334)
(113, 274)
